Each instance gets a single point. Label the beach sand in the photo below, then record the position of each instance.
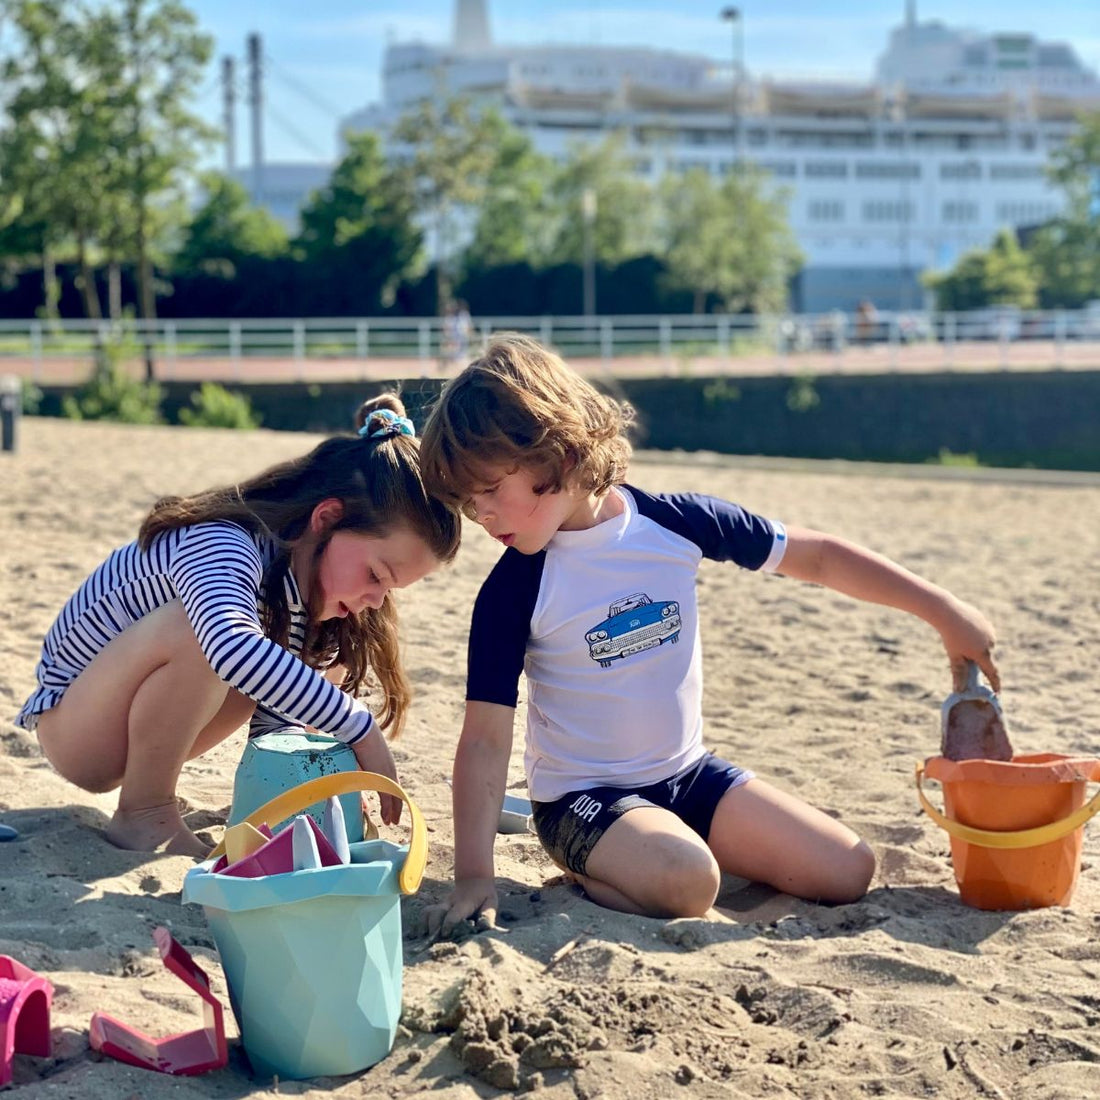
(906, 993)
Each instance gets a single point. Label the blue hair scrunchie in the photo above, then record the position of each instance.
(394, 425)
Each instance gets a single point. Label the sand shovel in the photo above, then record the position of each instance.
(973, 724)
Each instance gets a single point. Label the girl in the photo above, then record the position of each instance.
(238, 597)
(594, 599)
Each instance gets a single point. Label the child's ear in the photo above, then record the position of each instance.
(328, 513)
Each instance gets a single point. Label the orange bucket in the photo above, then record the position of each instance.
(1016, 826)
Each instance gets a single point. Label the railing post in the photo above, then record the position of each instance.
(299, 344)
(170, 347)
(362, 339)
(425, 331)
(949, 321)
(1060, 326)
(607, 340)
(235, 348)
(724, 345)
(36, 351)
(546, 331)
(664, 329)
(894, 330)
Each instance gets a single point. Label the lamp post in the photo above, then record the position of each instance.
(588, 266)
(733, 17)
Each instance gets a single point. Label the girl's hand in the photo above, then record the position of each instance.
(471, 899)
(373, 755)
(968, 636)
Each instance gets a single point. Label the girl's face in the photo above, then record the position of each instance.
(356, 571)
(508, 507)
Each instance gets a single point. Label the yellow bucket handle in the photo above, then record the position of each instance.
(1020, 838)
(317, 790)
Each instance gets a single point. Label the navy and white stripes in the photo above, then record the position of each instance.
(216, 571)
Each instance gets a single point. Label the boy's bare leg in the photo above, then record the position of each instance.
(766, 835)
(650, 862)
(146, 703)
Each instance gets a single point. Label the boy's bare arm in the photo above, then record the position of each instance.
(851, 569)
(480, 778)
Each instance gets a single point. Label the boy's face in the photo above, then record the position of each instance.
(508, 507)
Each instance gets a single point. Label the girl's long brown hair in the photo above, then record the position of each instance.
(379, 483)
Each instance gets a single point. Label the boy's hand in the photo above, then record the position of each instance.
(373, 755)
(968, 636)
(470, 898)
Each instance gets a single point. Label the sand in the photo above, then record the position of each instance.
(906, 993)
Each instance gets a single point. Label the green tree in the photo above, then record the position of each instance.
(226, 229)
(446, 151)
(358, 230)
(1066, 251)
(1003, 275)
(513, 220)
(730, 239)
(623, 221)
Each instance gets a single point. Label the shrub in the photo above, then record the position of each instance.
(112, 394)
(217, 407)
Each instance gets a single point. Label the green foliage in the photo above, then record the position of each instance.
(31, 397)
(720, 391)
(624, 218)
(358, 230)
(1003, 275)
(217, 407)
(113, 394)
(802, 396)
(951, 458)
(729, 239)
(226, 228)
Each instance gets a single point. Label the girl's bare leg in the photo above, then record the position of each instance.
(147, 702)
(763, 834)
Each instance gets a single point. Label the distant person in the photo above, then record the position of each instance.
(274, 592)
(866, 322)
(594, 599)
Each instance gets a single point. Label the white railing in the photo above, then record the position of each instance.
(323, 349)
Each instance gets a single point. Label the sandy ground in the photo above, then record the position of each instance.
(906, 993)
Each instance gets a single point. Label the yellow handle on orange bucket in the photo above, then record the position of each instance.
(317, 790)
(1018, 838)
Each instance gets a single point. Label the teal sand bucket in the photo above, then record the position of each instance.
(277, 761)
(313, 958)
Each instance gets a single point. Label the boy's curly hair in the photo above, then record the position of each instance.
(519, 404)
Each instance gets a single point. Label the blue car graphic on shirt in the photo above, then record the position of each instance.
(633, 623)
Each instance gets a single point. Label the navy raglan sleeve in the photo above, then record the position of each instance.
(722, 531)
(500, 628)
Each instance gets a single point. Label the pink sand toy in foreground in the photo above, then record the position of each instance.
(25, 999)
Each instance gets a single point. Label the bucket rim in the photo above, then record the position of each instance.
(1024, 769)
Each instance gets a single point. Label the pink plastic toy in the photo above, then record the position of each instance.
(25, 999)
(186, 1054)
(276, 857)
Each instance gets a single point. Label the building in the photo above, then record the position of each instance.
(948, 143)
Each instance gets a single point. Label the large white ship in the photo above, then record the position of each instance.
(949, 142)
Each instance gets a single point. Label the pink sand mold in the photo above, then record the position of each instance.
(186, 1054)
(276, 857)
(25, 999)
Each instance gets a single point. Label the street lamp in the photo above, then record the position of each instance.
(588, 265)
(733, 17)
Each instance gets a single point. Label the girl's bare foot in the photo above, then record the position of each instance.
(154, 828)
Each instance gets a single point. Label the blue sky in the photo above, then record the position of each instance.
(325, 57)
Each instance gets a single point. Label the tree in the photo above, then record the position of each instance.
(99, 140)
(623, 221)
(1003, 275)
(513, 220)
(358, 230)
(227, 229)
(446, 149)
(729, 239)
(1066, 251)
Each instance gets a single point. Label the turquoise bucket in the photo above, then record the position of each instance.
(276, 762)
(313, 959)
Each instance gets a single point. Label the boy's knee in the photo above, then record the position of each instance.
(689, 884)
(853, 874)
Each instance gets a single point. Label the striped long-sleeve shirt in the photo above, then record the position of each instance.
(216, 570)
